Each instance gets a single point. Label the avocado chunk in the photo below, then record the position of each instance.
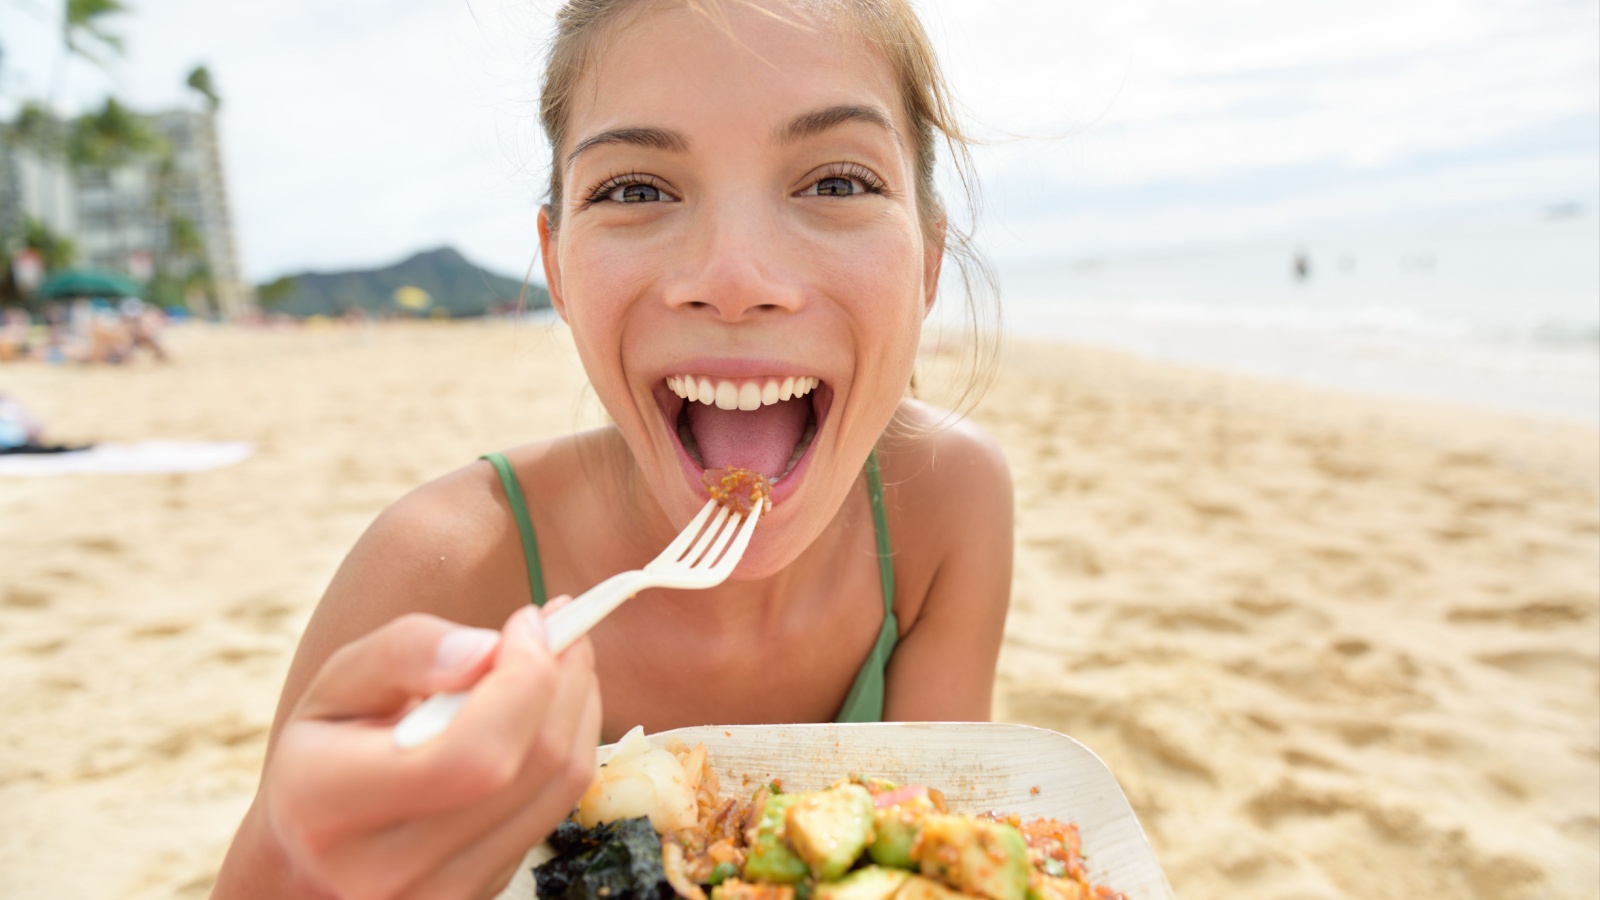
(830, 828)
(919, 888)
(770, 858)
(869, 883)
(973, 855)
(895, 827)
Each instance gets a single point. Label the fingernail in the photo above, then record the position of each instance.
(464, 647)
(532, 624)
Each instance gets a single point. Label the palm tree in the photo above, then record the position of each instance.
(42, 135)
(200, 81)
(83, 33)
(37, 130)
(55, 251)
(83, 20)
(111, 137)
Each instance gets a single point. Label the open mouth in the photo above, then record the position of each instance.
(764, 424)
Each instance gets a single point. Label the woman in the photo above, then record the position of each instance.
(744, 237)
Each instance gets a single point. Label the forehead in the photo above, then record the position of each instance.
(757, 68)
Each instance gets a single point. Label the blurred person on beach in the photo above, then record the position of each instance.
(16, 328)
(143, 323)
(90, 332)
(22, 432)
(116, 335)
(744, 237)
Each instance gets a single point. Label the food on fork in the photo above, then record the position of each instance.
(859, 839)
(738, 490)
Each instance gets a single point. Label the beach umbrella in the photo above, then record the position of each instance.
(88, 283)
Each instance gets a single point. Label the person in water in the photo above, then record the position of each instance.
(744, 237)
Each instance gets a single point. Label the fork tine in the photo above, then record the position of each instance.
(707, 538)
(714, 552)
(675, 550)
(735, 552)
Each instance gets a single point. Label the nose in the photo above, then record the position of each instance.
(735, 266)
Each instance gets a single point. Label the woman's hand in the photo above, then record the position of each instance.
(350, 814)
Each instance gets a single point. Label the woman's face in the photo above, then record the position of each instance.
(739, 223)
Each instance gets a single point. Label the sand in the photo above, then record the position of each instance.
(1331, 646)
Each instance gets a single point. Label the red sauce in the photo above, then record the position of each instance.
(738, 490)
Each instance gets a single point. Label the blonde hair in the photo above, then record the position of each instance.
(891, 26)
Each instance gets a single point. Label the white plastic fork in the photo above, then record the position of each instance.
(700, 557)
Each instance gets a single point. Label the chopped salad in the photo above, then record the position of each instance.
(654, 826)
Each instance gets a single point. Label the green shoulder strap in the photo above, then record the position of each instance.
(880, 527)
(864, 703)
(519, 509)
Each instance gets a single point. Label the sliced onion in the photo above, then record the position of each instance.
(639, 781)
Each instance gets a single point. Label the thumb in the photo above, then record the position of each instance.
(556, 603)
(524, 636)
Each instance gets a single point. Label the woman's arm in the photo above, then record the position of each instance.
(344, 812)
(960, 504)
(339, 807)
(433, 551)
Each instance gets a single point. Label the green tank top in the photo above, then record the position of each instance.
(864, 703)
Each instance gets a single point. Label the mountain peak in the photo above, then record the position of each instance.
(445, 254)
(454, 284)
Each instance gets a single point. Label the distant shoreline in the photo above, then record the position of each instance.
(1549, 384)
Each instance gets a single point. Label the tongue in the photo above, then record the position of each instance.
(760, 439)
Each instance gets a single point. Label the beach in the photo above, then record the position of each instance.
(1331, 645)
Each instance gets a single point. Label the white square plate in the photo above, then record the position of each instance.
(979, 766)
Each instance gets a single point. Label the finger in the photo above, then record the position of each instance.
(488, 858)
(413, 656)
(352, 778)
(414, 848)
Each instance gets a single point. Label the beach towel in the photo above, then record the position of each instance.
(143, 458)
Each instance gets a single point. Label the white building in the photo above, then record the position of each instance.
(121, 219)
(36, 187)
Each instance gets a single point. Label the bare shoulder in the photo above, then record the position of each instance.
(432, 538)
(942, 467)
(449, 548)
(952, 529)
(949, 496)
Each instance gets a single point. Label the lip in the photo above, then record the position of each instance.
(738, 368)
(671, 404)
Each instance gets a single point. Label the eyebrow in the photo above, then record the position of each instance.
(801, 127)
(814, 123)
(653, 138)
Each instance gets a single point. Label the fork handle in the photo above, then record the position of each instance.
(574, 620)
(564, 627)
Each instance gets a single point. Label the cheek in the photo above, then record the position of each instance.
(597, 279)
(882, 280)
(599, 284)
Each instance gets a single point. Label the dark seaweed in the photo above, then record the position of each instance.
(620, 860)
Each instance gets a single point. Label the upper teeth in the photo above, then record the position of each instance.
(744, 393)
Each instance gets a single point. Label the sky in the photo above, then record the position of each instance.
(356, 132)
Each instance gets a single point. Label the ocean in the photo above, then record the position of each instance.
(1503, 316)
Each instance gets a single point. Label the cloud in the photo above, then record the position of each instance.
(356, 131)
